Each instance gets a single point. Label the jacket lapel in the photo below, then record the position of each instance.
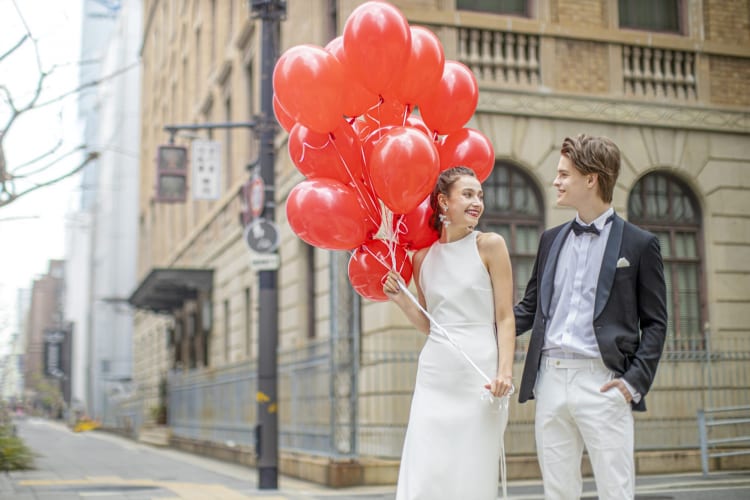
(609, 265)
(548, 276)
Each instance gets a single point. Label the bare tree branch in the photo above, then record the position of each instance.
(19, 217)
(93, 155)
(13, 49)
(51, 164)
(17, 168)
(92, 83)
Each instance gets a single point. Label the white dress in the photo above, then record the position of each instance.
(453, 441)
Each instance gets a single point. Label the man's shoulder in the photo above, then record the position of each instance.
(638, 233)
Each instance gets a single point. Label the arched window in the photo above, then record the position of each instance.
(513, 208)
(665, 206)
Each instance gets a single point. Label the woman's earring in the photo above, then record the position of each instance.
(443, 217)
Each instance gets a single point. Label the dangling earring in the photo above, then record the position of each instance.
(442, 217)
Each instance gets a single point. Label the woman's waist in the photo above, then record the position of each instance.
(461, 326)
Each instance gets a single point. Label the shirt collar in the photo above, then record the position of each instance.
(600, 221)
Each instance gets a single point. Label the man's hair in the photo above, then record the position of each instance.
(444, 183)
(595, 155)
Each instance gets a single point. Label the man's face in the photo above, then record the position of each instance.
(573, 188)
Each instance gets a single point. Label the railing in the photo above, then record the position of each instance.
(318, 397)
(734, 441)
(649, 72)
(510, 59)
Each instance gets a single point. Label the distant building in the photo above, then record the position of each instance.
(102, 235)
(46, 369)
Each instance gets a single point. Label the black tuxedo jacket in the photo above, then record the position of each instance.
(630, 312)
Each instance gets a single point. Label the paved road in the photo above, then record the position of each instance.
(96, 465)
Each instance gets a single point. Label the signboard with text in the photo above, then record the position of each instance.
(205, 157)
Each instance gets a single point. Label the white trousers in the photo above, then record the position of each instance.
(572, 412)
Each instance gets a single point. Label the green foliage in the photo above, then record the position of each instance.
(14, 454)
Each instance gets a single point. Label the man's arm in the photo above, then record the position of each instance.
(652, 314)
(525, 310)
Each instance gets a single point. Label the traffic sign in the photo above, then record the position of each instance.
(262, 236)
(257, 195)
(264, 261)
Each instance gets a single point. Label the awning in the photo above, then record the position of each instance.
(167, 289)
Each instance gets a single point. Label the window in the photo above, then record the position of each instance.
(511, 7)
(513, 208)
(665, 206)
(650, 15)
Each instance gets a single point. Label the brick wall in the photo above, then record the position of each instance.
(730, 81)
(727, 21)
(580, 12)
(581, 67)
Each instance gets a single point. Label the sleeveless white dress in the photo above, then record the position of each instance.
(454, 437)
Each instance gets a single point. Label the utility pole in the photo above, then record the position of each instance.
(271, 12)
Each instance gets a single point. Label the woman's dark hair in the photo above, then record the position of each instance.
(444, 183)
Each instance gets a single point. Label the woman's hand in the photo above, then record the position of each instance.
(391, 286)
(501, 386)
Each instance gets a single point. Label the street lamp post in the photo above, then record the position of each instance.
(271, 12)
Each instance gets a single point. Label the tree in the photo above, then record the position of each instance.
(47, 167)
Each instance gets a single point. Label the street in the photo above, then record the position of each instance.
(97, 464)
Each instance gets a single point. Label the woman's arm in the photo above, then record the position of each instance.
(394, 292)
(495, 255)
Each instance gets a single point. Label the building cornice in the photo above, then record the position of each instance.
(617, 111)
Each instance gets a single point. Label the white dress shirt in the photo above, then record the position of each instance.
(570, 333)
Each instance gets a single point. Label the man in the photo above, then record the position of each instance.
(596, 307)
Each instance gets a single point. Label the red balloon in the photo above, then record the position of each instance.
(377, 43)
(367, 272)
(368, 143)
(387, 112)
(327, 214)
(363, 128)
(336, 155)
(286, 121)
(470, 148)
(413, 230)
(357, 98)
(424, 68)
(417, 123)
(404, 166)
(308, 82)
(450, 106)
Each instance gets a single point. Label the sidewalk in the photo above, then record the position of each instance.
(97, 464)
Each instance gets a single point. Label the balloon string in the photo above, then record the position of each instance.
(366, 196)
(306, 146)
(407, 112)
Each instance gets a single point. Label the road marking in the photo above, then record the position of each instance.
(184, 491)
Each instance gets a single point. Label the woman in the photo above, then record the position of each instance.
(454, 438)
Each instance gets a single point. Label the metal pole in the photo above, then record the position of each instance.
(271, 13)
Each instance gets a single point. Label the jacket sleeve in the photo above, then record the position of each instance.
(652, 315)
(525, 310)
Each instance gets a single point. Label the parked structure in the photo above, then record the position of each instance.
(668, 81)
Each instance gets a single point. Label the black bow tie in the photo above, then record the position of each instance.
(579, 229)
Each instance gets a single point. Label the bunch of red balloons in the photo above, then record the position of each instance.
(370, 163)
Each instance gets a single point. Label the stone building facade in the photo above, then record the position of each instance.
(669, 85)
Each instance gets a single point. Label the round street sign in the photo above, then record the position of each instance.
(262, 236)
(257, 195)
